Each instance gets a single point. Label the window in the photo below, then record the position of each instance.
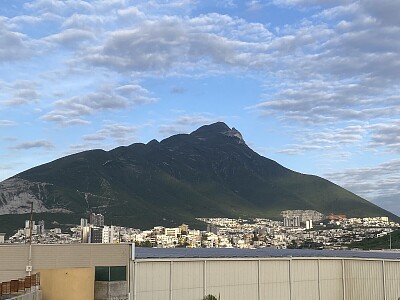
(110, 273)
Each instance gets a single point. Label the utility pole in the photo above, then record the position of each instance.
(31, 224)
(29, 266)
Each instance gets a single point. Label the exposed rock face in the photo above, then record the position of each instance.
(16, 196)
(236, 134)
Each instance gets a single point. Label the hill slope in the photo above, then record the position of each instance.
(210, 172)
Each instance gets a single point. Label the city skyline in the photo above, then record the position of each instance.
(309, 84)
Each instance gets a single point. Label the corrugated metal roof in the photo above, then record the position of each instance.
(155, 253)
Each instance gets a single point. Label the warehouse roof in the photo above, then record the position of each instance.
(164, 253)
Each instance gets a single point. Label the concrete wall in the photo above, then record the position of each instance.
(266, 279)
(67, 284)
(36, 295)
(111, 290)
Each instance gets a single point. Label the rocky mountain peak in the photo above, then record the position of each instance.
(218, 128)
(236, 134)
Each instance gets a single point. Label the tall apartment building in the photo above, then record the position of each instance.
(85, 234)
(84, 222)
(96, 219)
(309, 224)
(96, 235)
(291, 221)
(304, 215)
(36, 228)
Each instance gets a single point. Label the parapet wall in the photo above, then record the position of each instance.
(36, 295)
(267, 279)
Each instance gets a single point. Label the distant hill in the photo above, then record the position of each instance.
(210, 172)
(381, 243)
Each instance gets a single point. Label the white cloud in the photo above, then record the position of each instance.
(24, 19)
(131, 13)
(89, 145)
(384, 11)
(226, 3)
(14, 45)
(134, 91)
(371, 182)
(7, 123)
(19, 92)
(47, 5)
(33, 145)
(194, 120)
(169, 44)
(64, 118)
(168, 130)
(123, 134)
(310, 2)
(255, 4)
(70, 111)
(326, 140)
(162, 7)
(82, 21)
(186, 123)
(386, 135)
(59, 7)
(71, 38)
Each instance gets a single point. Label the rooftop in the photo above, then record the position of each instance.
(160, 253)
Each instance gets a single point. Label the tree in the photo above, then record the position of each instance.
(211, 297)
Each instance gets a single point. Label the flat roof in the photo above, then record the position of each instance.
(172, 253)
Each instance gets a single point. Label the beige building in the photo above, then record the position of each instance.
(118, 271)
(68, 272)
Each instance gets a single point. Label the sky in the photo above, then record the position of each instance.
(312, 84)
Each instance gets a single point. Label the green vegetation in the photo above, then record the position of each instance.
(145, 244)
(379, 243)
(211, 297)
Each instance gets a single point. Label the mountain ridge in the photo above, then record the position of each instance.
(209, 172)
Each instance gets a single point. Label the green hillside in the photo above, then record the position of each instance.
(380, 243)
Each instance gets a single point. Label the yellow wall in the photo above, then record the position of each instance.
(67, 284)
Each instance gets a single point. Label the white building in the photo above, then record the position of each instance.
(108, 235)
(309, 224)
(293, 221)
(173, 231)
(84, 222)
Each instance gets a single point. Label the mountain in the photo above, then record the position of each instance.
(207, 173)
